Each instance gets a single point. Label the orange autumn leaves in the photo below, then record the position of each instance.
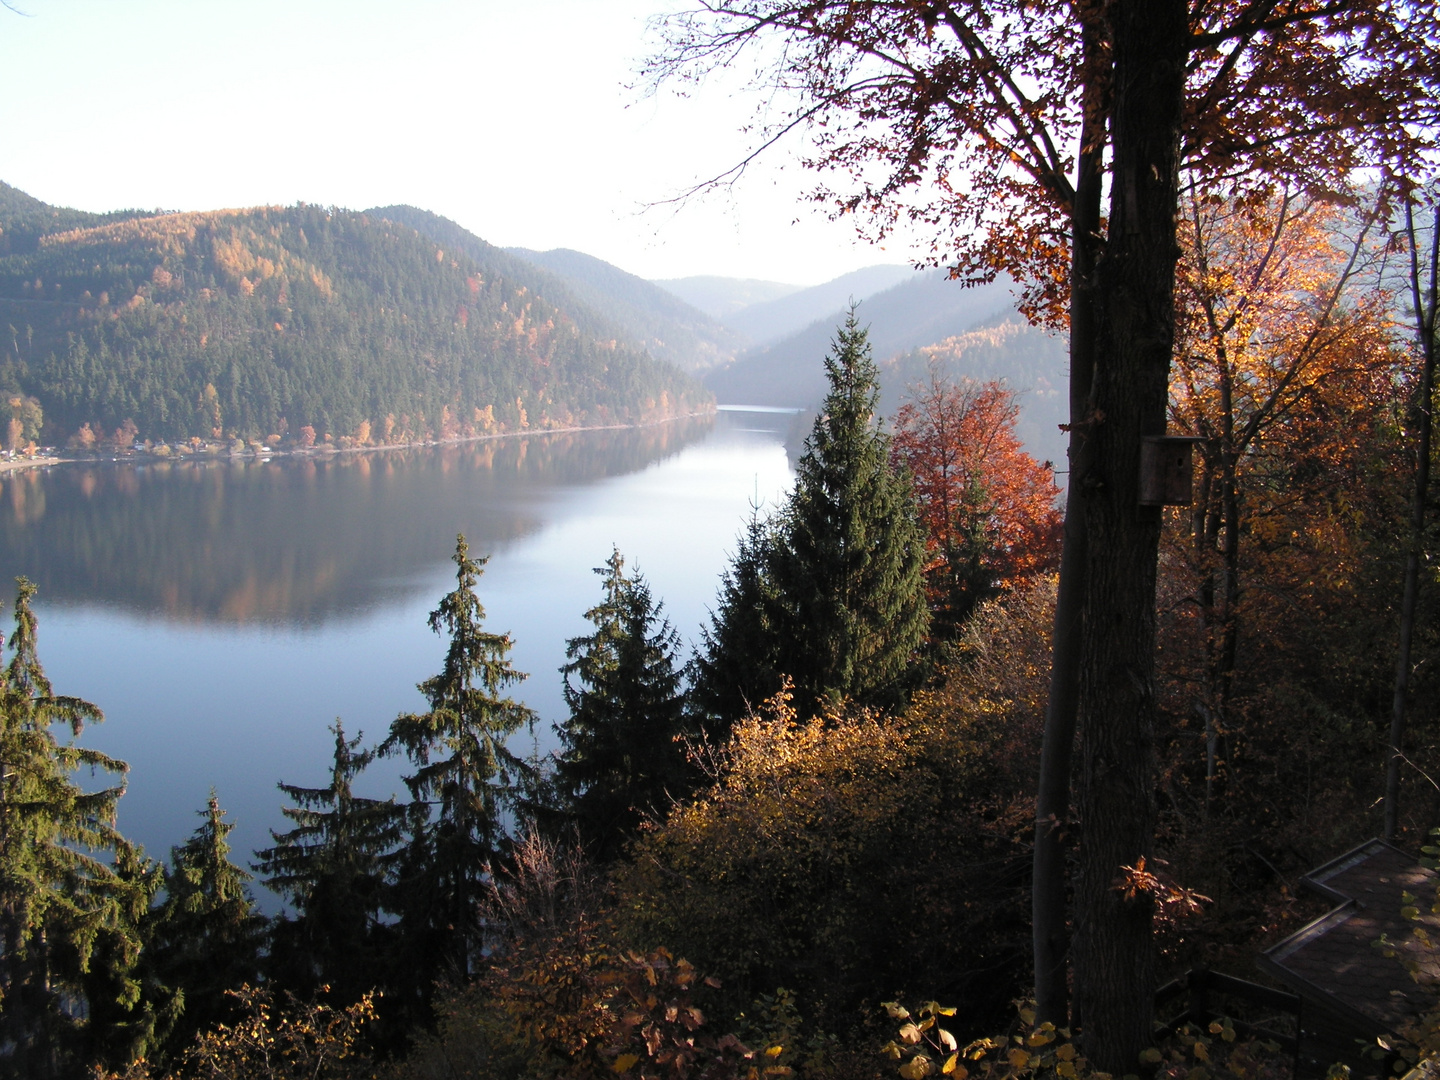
(988, 507)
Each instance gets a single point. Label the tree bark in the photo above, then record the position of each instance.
(1050, 937)
(1425, 310)
(1115, 961)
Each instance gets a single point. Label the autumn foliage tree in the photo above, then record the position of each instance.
(1284, 356)
(852, 854)
(989, 508)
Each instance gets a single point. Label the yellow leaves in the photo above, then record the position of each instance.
(625, 1062)
(1150, 1056)
(1018, 1057)
(910, 1033)
(916, 1068)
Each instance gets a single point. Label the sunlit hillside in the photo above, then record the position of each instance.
(267, 322)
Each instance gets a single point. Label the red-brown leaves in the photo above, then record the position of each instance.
(987, 506)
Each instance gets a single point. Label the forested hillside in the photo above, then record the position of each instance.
(304, 322)
(24, 219)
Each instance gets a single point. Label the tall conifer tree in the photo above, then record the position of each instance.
(208, 937)
(736, 667)
(835, 598)
(332, 866)
(131, 1009)
(622, 759)
(465, 775)
(58, 893)
(847, 565)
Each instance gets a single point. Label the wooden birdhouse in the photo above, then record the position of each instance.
(1165, 469)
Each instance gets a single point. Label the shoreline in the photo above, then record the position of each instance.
(22, 464)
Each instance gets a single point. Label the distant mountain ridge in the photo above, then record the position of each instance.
(722, 297)
(655, 318)
(265, 322)
(971, 333)
(773, 320)
(24, 219)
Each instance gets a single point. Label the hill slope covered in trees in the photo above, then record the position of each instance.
(267, 321)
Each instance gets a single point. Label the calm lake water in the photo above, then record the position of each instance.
(222, 614)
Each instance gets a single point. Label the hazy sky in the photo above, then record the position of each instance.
(513, 117)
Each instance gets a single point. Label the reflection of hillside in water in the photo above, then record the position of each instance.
(294, 540)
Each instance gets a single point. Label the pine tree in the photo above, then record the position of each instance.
(208, 936)
(465, 772)
(735, 668)
(58, 895)
(622, 759)
(333, 867)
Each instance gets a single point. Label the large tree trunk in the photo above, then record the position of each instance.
(1423, 295)
(1115, 962)
(1052, 801)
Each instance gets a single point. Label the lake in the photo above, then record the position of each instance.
(224, 613)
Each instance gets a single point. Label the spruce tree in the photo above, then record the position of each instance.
(59, 897)
(333, 867)
(847, 563)
(466, 778)
(736, 667)
(833, 595)
(207, 937)
(622, 759)
(132, 1010)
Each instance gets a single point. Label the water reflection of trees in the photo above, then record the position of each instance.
(295, 540)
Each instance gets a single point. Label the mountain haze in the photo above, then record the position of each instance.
(654, 318)
(772, 320)
(722, 297)
(972, 333)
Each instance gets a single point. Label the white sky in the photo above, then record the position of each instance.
(512, 117)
